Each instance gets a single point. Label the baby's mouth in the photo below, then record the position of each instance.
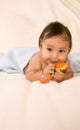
(53, 62)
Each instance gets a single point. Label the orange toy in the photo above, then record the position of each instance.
(46, 79)
(59, 66)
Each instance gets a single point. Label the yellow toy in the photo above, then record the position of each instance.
(59, 66)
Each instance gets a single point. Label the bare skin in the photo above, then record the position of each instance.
(52, 51)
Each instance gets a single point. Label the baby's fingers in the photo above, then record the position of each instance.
(59, 76)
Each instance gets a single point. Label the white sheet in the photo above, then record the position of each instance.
(36, 106)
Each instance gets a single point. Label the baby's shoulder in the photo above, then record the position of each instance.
(35, 57)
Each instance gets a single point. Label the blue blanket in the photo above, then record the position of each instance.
(15, 60)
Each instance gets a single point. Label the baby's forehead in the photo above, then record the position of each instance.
(58, 42)
(57, 38)
(64, 36)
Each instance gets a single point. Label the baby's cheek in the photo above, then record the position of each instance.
(63, 59)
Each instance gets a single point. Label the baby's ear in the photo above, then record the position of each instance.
(69, 50)
(40, 45)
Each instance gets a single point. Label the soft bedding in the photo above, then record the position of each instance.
(26, 105)
(32, 106)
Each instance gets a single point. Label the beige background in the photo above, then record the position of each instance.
(21, 21)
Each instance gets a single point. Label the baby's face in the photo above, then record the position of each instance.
(54, 49)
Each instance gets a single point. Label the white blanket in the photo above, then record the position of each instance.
(35, 106)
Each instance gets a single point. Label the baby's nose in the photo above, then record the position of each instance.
(55, 55)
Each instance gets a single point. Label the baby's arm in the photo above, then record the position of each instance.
(68, 73)
(33, 70)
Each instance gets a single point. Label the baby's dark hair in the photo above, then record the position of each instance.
(55, 29)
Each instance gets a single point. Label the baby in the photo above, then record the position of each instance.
(55, 43)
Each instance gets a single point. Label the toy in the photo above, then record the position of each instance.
(59, 66)
(46, 79)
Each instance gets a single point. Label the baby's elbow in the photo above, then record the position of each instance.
(30, 78)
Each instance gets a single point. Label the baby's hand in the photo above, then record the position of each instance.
(59, 76)
(48, 69)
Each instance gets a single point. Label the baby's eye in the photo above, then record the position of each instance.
(61, 51)
(49, 49)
